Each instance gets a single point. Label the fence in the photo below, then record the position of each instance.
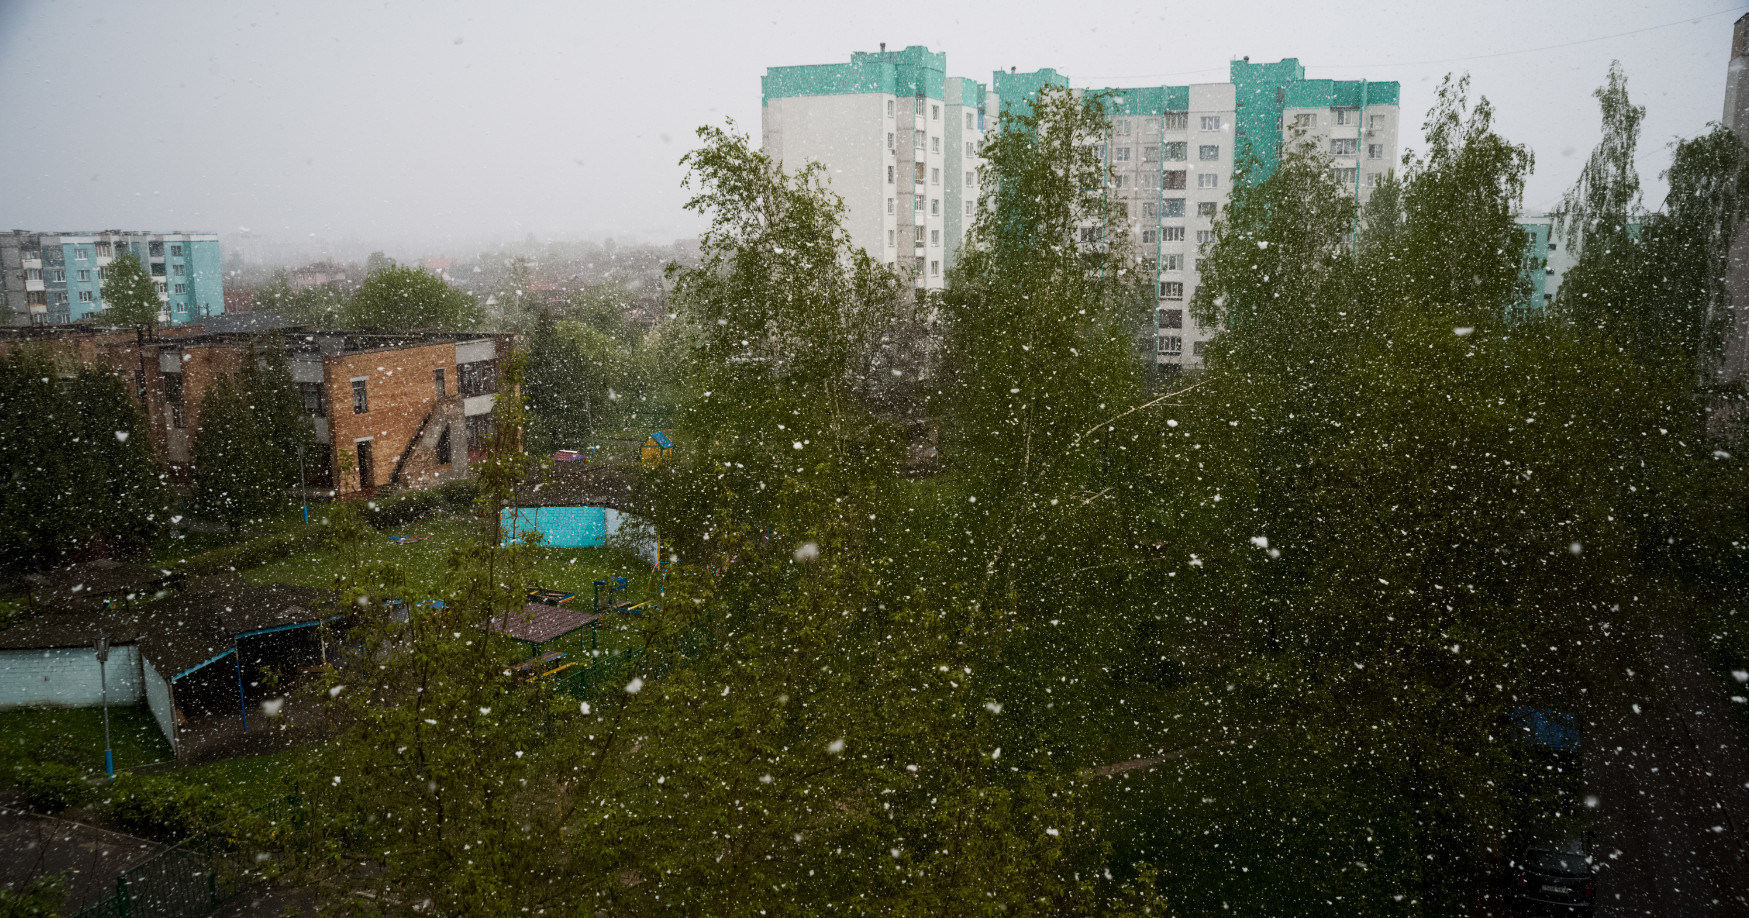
(204, 871)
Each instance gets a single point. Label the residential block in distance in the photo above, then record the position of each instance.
(900, 141)
(56, 278)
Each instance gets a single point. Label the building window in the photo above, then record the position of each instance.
(1091, 235)
(1375, 151)
(935, 176)
(178, 417)
(1208, 180)
(889, 205)
(1172, 290)
(889, 115)
(1177, 121)
(1206, 209)
(1172, 179)
(1208, 151)
(1151, 153)
(892, 236)
(968, 207)
(1172, 262)
(971, 179)
(1171, 344)
(1372, 179)
(479, 430)
(154, 250)
(1171, 318)
(1305, 122)
(157, 269)
(1344, 146)
(969, 151)
(84, 296)
(181, 288)
(443, 448)
(31, 274)
(935, 237)
(935, 144)
(1150, 209)
(360, 400)
(935, 269)
(367, 472)
(315, 399)
(969, 121)
(1120, 155)
(1346, 176)
(172, 387)
(176, 251)
(890, 147)
(935, 205)
(1150, 237)
(1172, 234)
(1211, 122)
(176, 270)
(917, 202)
(1204, 237)
(82, 252)
(58, 275)
(85, 275)
(935, 113)
(917, 140)
(918, 176)
(478, 378)
(1196, 348)
(438, 382)
(1174, 151)
(1119, 181)
(1172, 207)
(103, 250)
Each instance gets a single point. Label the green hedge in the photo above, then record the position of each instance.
(403, 508)
(161, 807)
(255, 552)
(50, 787)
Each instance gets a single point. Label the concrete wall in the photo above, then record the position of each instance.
(159, 701)
(68, 677)
(846, 134)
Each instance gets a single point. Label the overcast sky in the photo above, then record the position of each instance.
(429, 127)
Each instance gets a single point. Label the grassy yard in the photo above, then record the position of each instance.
(74, 736)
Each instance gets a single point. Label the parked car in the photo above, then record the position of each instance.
(1554, 878)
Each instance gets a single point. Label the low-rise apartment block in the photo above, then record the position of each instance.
(57, 278)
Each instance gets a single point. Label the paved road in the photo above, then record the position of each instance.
(91, 858)
(1670, 775)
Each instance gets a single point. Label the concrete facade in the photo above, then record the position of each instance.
(1736, 118)
(69, 677)
(56, 278)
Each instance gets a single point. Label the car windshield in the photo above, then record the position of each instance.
(1559, 863)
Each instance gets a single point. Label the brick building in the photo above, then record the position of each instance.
(393, 410)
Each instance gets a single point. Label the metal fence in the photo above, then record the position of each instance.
(202, 872)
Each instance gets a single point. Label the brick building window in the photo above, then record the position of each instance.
(477, 378)
(367, 472)
(173, 387)
(315, 399)
(178, 418)
(360, 400)
(443, 447)
(437, 379)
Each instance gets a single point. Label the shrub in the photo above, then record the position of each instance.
(254, 552)
(403, 508)
(50, 787)
(161, 807)
(38, 897)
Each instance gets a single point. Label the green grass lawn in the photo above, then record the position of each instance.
(74, 736)
(426, 563)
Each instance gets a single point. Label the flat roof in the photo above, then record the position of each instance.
(539, 623)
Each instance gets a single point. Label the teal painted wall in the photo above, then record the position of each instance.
(912, 72)
(1017, 90)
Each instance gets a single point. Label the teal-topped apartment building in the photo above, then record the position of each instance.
(55, 278)
(900, 141)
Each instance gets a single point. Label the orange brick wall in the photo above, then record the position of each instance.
(401, 392)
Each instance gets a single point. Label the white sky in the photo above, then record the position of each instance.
(428, 126)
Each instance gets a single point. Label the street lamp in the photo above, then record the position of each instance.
(103, 681)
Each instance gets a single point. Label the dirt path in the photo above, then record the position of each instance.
(1670, 775)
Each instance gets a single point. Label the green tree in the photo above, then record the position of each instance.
(397, 298)
(316, 307)
(82, 475)
(129, 296)
(246, 451)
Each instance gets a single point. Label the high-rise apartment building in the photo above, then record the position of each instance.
(55, 278)
(878, 123)
(899, 139)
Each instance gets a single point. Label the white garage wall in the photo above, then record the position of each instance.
(67, 677)
(159, 700)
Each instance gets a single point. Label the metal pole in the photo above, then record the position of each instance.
(303, 482)
(103, 683)
(241, 703)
